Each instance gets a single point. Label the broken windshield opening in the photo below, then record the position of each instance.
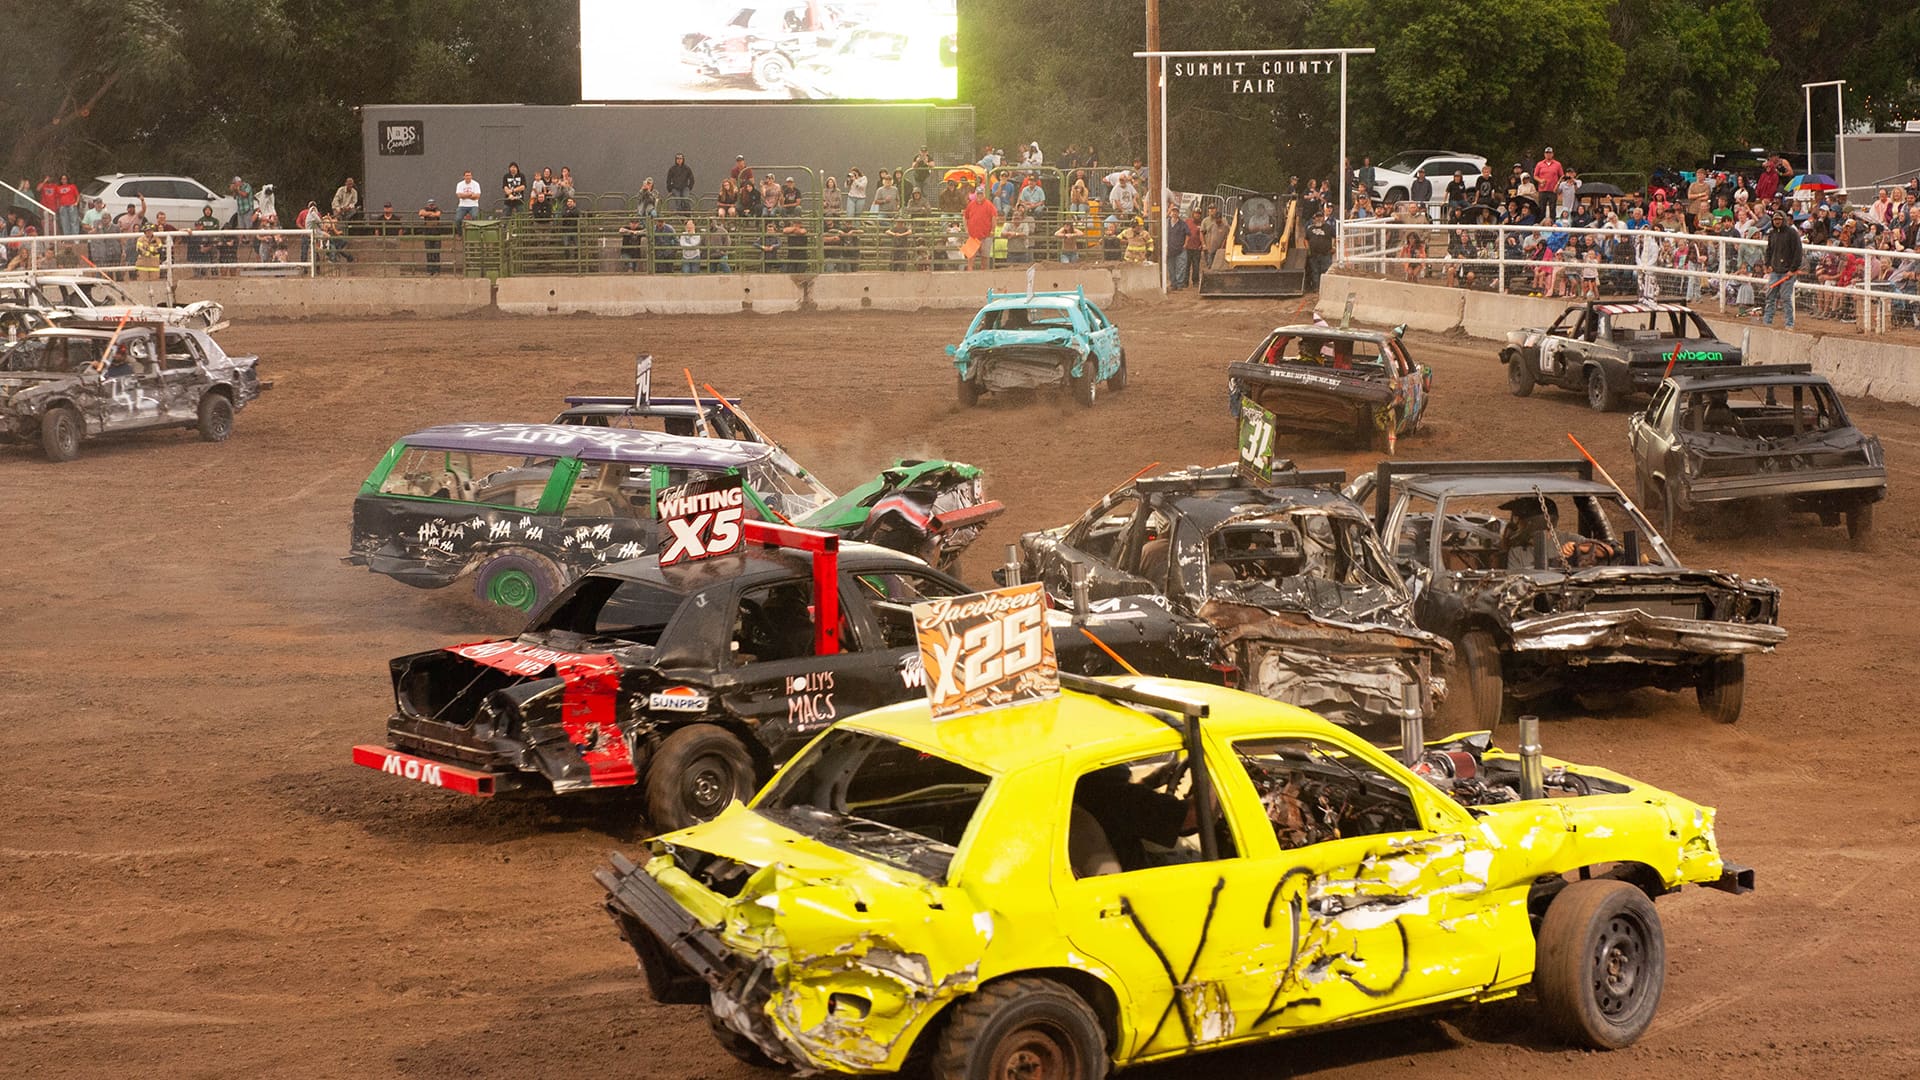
(872, 796)
(602, 606)
(1298, 545)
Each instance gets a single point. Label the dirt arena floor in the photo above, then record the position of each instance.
(194, 881)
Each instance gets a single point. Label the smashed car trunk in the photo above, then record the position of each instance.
(1025, 365)
(1315, 397)
(1355, 674)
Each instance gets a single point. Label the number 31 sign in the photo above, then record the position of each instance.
(986, 650)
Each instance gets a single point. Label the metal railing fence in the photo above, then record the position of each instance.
(156, 256)
(1876, 288)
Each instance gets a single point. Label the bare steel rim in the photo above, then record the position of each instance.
(1620, 967)
(1036, 1050)
(708, 785)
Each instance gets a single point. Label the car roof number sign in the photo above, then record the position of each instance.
(1256, 441)
(643, 381)
(986, 650)
(702, 519)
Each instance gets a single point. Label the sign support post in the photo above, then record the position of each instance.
(1340, 164)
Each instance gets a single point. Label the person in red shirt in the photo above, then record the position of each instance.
(981, 215)
(66, 205)
(48, 195)
(1546, 174)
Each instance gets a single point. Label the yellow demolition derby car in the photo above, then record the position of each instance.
(1140, 869)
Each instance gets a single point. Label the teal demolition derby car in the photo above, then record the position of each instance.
(1030, 340)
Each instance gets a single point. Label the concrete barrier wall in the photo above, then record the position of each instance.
(913, 292)
(301, 297)
(1390, 303)
(665, 294)
(1857, 364)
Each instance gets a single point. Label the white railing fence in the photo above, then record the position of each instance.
(165, 256)
(1876, 288)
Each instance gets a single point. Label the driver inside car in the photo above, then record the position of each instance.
(1534, 516)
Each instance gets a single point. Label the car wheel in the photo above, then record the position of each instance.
(216, 418)
(742, 1048)
(1519, 374)
(1396, 194)
(698, 771)
(1601, 397)
(1119, 380)
(518, 579)
(1034, 1029)
(969, 392)
(1722, 687)
(1600, 964)
(1654, 504)
(60, 434)
(1860, 527)
(772, 71)
(1087, 387)
(1486, 694)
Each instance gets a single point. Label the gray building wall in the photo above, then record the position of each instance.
(614, 147)
(1872, 159)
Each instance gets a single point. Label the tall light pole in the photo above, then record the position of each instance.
(1840, 127)
(1156, 99)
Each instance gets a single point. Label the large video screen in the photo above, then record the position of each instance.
(761, 50)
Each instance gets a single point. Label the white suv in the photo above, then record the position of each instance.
(181, 197)
(1393, 178)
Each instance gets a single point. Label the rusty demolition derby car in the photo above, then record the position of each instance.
(1725, 437)
(1545, 578)
(1279, 586)
(1611, 351)
(72, 382)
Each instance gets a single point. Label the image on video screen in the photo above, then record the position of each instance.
(757, 50)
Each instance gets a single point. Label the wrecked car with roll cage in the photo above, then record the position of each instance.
(682, 686)
(1338, 381)
(1278, 587)
(1613, 350)
(929, 508)
(75, 381)
(521, 509)
(1546, 579)
(1023, 341)
(1773, 433)
(1139, 870)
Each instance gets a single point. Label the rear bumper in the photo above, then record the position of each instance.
(435, 772)
(1863, 479)
(1633, 629)
(1734, 879)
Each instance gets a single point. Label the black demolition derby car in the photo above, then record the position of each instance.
(75, 381)
(1610, 351)
(688, 683)
(1772, 432)
(1545, 578)
(521, 509)
(1279, 586)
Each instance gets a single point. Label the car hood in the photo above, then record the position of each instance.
(1061, 337)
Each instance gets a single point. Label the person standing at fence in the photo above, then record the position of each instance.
(1177, 231)
(633, 244)
(430, 229)
(1320, 237)
(242, 193)
(466, 201)
(981, 217)
(680, 185)
(66, 205)
(720, 247)
(513, 189)
(570, 226)
(1547, 174)
(886, 199)
(1783, 261)
(1699, 199)
(856, 191)
(690, 249)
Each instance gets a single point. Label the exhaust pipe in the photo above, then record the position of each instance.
(1532, 773)
(1077, 574)
(1013, 564)
(1413, 727)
